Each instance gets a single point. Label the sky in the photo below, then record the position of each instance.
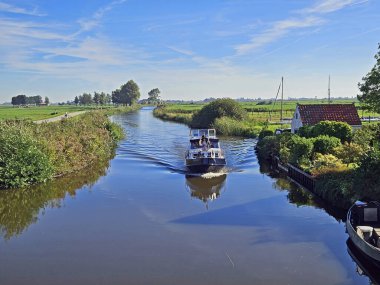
(189, 49)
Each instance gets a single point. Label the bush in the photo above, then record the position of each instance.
(339, 130)
(268, 146)
(300, 150)
(349, 152)
(265, 133)
(327, 163)
(368, 136)
(217, 109)
(22, 159)
(325, 144)
(367, 176)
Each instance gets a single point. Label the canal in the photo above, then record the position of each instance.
(141, 219)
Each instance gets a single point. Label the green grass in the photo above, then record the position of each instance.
(39, 113)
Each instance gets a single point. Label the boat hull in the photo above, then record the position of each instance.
(373, 253)
(202, 165)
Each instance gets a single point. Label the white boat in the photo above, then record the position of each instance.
(363, 227)
(204, 153)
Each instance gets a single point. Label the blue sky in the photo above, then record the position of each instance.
(188, 49)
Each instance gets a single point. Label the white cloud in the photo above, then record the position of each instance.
(277, 31)
(329, 6)
(5, 7)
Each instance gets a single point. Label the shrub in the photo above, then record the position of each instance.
(265, 133)
(300, 150)
(268, 146)
(217, 109)
(368, 136)
(349, 152)
(22, 159)
(305, 131)
(367, 176)
(325, 144)
(327, 163)
(339, 130)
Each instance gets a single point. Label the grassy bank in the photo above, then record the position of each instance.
(31, 153)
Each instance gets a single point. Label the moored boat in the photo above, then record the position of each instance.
(204, 153)
(363, 227)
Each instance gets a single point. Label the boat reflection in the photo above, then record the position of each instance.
(205, 188)
(364, 266)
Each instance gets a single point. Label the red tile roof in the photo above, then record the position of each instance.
(313, 114)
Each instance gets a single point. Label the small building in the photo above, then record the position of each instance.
(308, 115)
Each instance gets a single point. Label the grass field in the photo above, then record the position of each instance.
(39, 113)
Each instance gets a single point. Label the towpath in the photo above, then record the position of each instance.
(58, 118)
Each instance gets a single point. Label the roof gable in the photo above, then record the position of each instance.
(313, 114)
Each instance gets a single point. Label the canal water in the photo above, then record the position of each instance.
(141, 219)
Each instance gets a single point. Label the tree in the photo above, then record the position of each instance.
(76, 100)
(129, 93)
(85, 99)
(96, 98)
(154, 95)
(47, 101)
(19, 100)
(102, 98)
(370, 87)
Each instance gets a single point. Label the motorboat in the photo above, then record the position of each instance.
(204, 153)
(363, 228)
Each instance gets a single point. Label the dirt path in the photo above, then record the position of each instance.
(58, 118)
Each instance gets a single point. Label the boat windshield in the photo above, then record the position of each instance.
(198, 133)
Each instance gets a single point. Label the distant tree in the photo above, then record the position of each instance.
(85, 99)
(96, 98)
(76, 100)
(108, 99)
(19, 100)
(47, 101)
(102, 98)
(370, 87)
(116, 96)
(154, 95)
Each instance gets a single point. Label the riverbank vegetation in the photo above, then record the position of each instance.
(345, 164)
(31, 153)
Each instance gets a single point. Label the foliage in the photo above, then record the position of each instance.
(368, 176)
(337, 188)
(300, 150)
(265, 132)
(269, 145)
(22, 160)
(24, 100)
(340, 130)
(327, 163)
(368, 136)
(217, 109)
(127, 94)
(325, 144)
(349, 152)
(154, 95)
(370, 87)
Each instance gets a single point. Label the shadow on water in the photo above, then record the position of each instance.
(207, 187)
(299, 196)
(364, 267)
(19, 208)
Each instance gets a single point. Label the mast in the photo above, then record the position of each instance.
(328, 92)
(282, 96)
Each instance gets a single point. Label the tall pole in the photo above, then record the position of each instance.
(282, 96)
(329, 98)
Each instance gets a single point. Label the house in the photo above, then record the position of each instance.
(308, 115)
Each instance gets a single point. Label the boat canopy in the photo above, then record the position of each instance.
(198, 133)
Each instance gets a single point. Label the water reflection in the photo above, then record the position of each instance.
(20, 208)
(364, 267)
(205, 188)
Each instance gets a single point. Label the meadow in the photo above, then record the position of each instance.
(35, 113)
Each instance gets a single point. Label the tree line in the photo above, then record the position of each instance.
(29, 100)
(127, 94)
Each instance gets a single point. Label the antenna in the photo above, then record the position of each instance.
(328, 92)
(282, 96)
